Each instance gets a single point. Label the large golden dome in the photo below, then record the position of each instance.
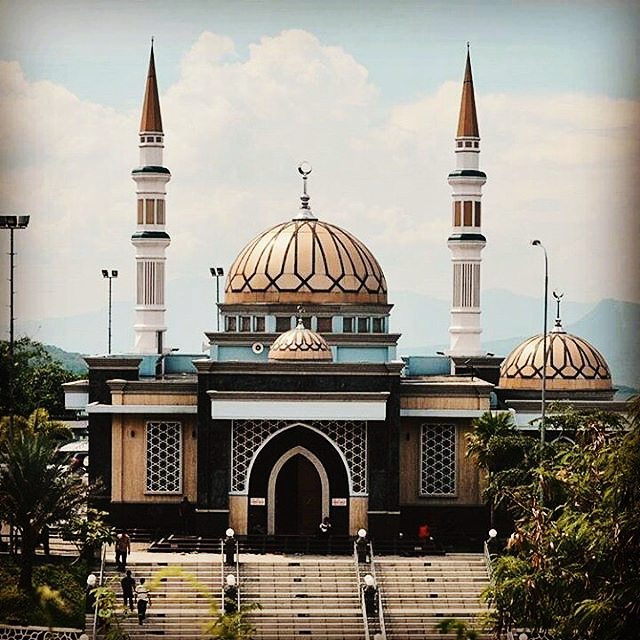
(302, 261)
(572, 365)
(300, 344)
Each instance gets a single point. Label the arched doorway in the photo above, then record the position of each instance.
(298, 497)
(300, 467)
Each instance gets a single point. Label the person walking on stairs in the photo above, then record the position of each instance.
(144, 600)
(128, 588)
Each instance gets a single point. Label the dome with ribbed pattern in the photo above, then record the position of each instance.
(300, 344)
(306, 261)
(572, 365)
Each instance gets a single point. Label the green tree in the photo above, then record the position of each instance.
(36, 491)
(573, 565)
(88, 531)
(38, 379)
(500, 449)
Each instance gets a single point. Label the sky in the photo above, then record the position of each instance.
(367, 92)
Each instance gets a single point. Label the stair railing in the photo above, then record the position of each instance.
(238, 570)
(103, 558)
(383, 630)
(363, 608)
(222, 578)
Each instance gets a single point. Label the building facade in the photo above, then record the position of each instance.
(302, 408)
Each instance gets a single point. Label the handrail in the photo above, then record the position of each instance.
(103, 556)
(363, 608)
(222, 580)
(238, 571)
(383, 630)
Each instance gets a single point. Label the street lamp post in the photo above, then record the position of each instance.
(217, 273)
(110, 277)
(12, 223)
(537, 243)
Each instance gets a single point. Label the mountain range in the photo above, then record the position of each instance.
(612, 326)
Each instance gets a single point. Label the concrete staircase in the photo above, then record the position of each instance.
(310, 596)
(179, 610)
(418, 593)
(314, 597)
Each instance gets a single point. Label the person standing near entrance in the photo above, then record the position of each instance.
(231, 595)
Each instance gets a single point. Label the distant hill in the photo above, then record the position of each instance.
(71, 361)
(611, 326)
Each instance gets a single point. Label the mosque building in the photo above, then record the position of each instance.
(303, 408)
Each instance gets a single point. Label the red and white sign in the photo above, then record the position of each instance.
(338, 502)
(257, 502)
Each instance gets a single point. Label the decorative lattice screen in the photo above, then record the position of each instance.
(164, 457)
(349, 436)
(438, 460)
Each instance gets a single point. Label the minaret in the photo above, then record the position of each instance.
(150, 238)
(466, 240)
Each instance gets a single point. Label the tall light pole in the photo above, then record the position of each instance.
(217, 273)
(537, 243)
(12, 223)
(110, 277)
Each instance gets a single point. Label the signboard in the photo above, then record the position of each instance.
(257, 502)
(338, 502)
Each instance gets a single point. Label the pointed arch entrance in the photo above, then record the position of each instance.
(295, 476)
(297, 493)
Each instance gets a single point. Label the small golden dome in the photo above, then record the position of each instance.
(572, 365)
(307, 261)
(300, 344)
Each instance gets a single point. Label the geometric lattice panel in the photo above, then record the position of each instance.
(437, 460)
(349, 436)
(164, 457)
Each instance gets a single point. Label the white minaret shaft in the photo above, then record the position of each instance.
(466, 240)
(150, 238)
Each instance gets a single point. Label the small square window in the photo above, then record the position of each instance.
(477, 220)
(245, 323)
(363, 325)
(325, 325)
(258, 324)
(459, 143)
(377, 325)
(283, 323)
(160, 211)
(347, 325)
(468, 143)
(158, 139)
(140, 211)
(230, 323)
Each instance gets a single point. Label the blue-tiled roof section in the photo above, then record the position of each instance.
(427, 365)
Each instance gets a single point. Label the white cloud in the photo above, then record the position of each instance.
(560, 167)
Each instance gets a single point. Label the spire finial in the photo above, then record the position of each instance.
(300, 322)
(153, 38)
(558, 295)
(151, 120)
(304, 168)
(468, 119)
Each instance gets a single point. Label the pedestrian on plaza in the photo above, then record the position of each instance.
(325, 528)
(231, 595)
(186, 510)
(229, 544)
(362, 546)
(123, 548)
(143, 599)
(128, 589)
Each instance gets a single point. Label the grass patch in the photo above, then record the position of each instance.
(58, 598)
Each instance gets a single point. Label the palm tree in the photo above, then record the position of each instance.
(36, 490)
